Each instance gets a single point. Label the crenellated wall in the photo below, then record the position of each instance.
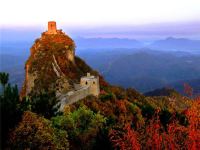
(89, 85)
(74, 96)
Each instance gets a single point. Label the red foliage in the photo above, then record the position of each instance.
(174, 138)
(193, 116)
(102, 92)
(153, 131)
(125, 139)
(177, 136)
(188, 89)
(102, 82)
(121, 106)
(57, 38)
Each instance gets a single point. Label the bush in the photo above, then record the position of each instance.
(44, 103)
(106, 97)
(35, 132)
(82, 125)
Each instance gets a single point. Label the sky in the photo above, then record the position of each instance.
(116, 16)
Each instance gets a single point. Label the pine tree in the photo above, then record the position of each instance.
(4, 79)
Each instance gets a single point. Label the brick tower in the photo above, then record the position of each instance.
(52, 27)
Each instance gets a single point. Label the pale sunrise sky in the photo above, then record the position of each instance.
(97, 12)
(104, 18)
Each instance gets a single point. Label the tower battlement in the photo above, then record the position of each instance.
(92, 82)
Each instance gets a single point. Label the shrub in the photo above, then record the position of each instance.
(82, 125)
(35, 132)
(106, 97)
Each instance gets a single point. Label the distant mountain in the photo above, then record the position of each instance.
(175, 88)
(146, 71)
(98, 43)
(179, 86)
(178, 44)
(162, 92)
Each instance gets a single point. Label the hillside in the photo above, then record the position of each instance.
(113, 118)
(53, 65)
(162, 92)
(195, 84)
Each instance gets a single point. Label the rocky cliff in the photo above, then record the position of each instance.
(52, 65)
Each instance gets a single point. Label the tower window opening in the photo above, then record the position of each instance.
(86, 83)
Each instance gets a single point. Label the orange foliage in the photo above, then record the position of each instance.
(57, 38)
(177, 136)
(124, 140)
(174, 138)
(153, 133)
(121, 106)
(193, 116)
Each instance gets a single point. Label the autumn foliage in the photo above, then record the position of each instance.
(120, 119)
(125, 139)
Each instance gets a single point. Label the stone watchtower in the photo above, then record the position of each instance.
(52, 27)
(92, 82)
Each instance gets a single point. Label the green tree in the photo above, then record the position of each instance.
(9, 106)
(82, 125)
(44, 103)
(4, 77)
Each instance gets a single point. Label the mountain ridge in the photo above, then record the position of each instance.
(172, 43)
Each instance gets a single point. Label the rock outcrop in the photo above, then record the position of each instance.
(52, 65)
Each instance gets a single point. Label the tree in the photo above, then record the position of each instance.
(9, 107)
(193, 129)
(124, 139)
(35, 132)
(4, 77)
(44, 103)
(82, 125)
